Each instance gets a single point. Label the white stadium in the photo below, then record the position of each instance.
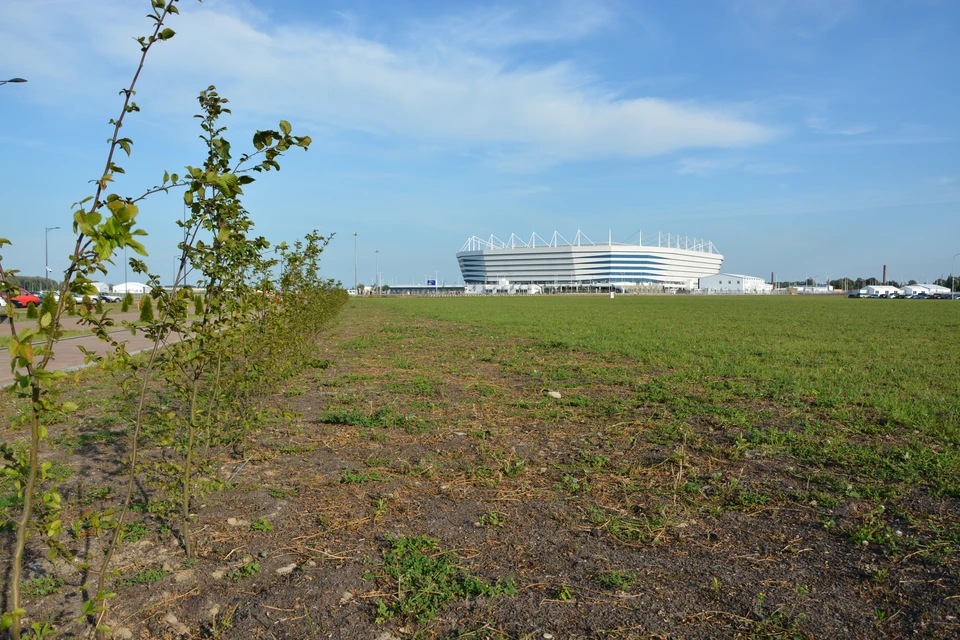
(672, 262)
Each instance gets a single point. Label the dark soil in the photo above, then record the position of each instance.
(715, 536)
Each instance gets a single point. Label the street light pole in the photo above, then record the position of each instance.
(356, 283)
(377, 274)
(46, 249)
(13, 80)
(953, 270)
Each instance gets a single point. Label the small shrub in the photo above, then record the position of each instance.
(49, 305)
(197, 304)
(146, 310)
(31, 311)
(127, 302)
(99, 305)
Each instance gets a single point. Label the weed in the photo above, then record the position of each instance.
(134, 531)
(245, 570)
(147, 576)
(425, 579)
(262, 524)
(513, 468)
(492, 519)
(616, 580)
(282, 493)
(566, 594)
(350, 476)
(39, 587)
(572, 484)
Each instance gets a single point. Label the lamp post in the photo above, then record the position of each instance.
(356, 286)
(436, 282)
(13, 80)
(953, 270)
(377, 274)
(46, 246)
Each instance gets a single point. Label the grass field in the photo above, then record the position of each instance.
(899, 358)
(713, 467)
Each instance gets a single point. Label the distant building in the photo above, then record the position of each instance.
(734, 283)
(881, 290)
(131, 287)
(929, 289)
(102, 287)
(555, 264)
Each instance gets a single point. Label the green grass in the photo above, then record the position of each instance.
(827, 380)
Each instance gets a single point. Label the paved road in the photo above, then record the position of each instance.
(67, 355)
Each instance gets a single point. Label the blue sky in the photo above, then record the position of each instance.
(806, 137)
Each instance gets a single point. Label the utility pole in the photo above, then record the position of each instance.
(377, 274)
(356, 286)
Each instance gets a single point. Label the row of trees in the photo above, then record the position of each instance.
(257, 324)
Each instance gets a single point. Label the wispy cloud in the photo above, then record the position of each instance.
(698, 166)
(519, 114)
(946, 180)
(769, 168)
(513, 24)
(820, 124)
(804, 18)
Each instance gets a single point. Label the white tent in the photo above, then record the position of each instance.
(131, 287)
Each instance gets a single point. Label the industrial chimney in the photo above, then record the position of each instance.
(884, 274)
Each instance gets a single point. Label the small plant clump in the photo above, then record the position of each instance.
(39, 587)
(246, 570)
(616, 580)
(426, 579)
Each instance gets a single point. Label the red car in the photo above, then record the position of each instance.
(23, 299)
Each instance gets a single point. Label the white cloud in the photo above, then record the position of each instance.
(946, 180)
(448, 92)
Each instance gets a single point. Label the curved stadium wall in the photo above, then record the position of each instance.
(490, 261)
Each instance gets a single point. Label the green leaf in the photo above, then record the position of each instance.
(285, 127)
(46, 320)
(166, 34)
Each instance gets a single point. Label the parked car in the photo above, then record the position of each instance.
(110, 297)
(23, 299)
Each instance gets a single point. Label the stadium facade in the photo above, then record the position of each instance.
(674, 262)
